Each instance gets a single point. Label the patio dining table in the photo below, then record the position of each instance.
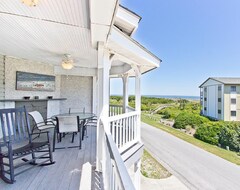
(83, 117)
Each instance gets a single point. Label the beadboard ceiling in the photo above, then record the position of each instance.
(45, 32)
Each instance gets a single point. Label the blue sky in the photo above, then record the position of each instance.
(195, 39)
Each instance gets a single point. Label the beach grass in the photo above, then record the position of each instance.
(151, 168)
(231, 156)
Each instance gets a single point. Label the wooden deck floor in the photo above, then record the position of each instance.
(65, 174)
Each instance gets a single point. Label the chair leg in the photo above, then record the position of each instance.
(34, 158)
(54, 138)
(80, 138)
(2, 173)
(86, 131)
(60, 137)
(83, 131)
(50, 154)
(72, 137)
(11, 167)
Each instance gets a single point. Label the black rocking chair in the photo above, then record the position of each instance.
(17, 142)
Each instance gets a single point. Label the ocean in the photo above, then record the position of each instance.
(174, 97)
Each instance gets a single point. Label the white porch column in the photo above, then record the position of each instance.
(137, 88)
(125, 92)
(104, 65)
(137, 165)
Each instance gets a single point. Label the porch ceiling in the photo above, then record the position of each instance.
(45, 32)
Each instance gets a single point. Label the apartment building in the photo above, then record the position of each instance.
(220, 98)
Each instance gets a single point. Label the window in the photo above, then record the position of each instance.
(219, 99)
(233, 101)
(233, 113)
(205, 89)
(219, 112)
(233, 88)
(219, 88)
(205, 99)
(205, 109)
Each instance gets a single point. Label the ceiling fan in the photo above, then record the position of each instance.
(30, 2)
(67, 62)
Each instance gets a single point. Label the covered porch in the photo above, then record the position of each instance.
(66, 173)
(97, 36)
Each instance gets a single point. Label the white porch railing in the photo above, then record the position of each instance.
(124, 129)
(115, 110)
(119, 132)
(130, 109)
(115, 174)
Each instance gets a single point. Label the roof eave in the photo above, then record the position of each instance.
(120, 42)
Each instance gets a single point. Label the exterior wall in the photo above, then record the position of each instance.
(204, 100)
(211, 96)
(15, 64)
(220, 104)
(72, 87)
(213, 106)
(228, 107)
(227, 103)
(78, 91)
(212, 101)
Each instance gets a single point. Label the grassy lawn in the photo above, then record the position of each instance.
(227, 155)
(151, 168)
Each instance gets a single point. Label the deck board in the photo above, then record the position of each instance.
(65, 174)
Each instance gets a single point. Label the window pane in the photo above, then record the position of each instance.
(233, 113)
(219, 111)
(233, 88)
(219, 88)
(219, 100)
(233, 101)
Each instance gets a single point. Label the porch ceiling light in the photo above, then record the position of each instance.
(67, 62)
(30, 2)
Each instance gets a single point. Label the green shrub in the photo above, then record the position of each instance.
(166, 115)
(181, 121)
(145, 107)
(230, 136)
(169, 112)
(209, 132)
(185, 118)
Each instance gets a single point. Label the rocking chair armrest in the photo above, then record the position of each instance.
(39, 133)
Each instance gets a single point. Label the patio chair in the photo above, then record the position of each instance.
(43, 125)
(40, 123)
(69, 124)
(17, 142)
(92, 122)
(77, 110)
